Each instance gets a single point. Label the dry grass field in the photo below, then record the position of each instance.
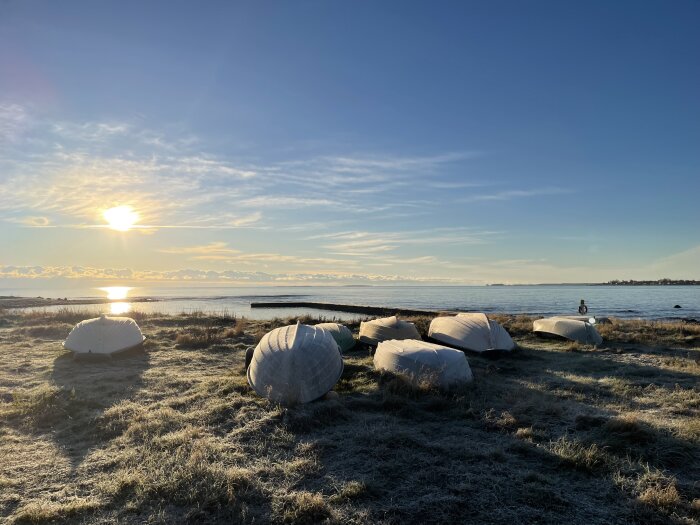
(555, 433)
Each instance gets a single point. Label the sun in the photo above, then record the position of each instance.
(121, 218)
(116, 293)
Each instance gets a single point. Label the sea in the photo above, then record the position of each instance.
(642, 302)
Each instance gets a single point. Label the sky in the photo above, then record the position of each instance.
(363, 142)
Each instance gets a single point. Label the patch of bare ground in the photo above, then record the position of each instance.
(551, 434)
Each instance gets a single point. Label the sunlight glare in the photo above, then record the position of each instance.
(121, 218)
(116, 293)
(119, 308)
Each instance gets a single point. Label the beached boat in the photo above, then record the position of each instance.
(423, 362)
(587, 318)
(295, 364)
(104, 335)
(471, 331)
(378, 330)
(341, 333)
(572, 329)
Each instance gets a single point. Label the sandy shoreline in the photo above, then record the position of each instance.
(8, 302)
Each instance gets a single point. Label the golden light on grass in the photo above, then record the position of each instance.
(116, 293)
(121, 218)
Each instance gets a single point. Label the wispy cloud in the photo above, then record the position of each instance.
(89, 131)
(425, 259)
(14, 120)
(456, 185)
(213, 248)
(507, 195)
(362, 243)
(364, 174)
(257, 259)
(77, 183)
(32, 221)
(286, 202)
(362, 164)
(222, 253)
(246, 220)
(74, 170)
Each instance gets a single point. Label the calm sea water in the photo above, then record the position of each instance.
(649, 302)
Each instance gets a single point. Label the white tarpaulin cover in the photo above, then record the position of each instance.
(295, 364)
(104, 335)
(377, 330)
(421, 361)
(471, 331)
(341, 333)
(572, 329)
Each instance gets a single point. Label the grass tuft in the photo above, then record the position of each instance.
(49, 512)
(303, 508)
(351, 490)
(622, 432)
(658, 490)
(574, 454)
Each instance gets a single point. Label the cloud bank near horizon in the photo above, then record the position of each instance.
(38, 273)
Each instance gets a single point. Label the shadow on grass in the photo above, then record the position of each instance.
(676, 351)
(525, 433)
(437, 466)
(87, 388)
(598, 364)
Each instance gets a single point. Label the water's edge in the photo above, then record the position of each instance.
(643, 302)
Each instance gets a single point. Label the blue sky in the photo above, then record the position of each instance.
(346, 142)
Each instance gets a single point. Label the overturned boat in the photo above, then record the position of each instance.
(587, 318)
(386, 328)
(437, 365)
(471, 331)
(572, 329)
(104, 335)
(295, 364)
(341, 333)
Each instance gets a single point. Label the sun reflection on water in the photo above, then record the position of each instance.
(118, 294)
(119, 308)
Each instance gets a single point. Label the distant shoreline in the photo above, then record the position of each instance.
(38, 302)
(660, 282)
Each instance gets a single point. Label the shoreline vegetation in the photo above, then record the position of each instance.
(617, 282)
(659, 282)
(556, 432)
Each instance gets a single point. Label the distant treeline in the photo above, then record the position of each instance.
(659, 282)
